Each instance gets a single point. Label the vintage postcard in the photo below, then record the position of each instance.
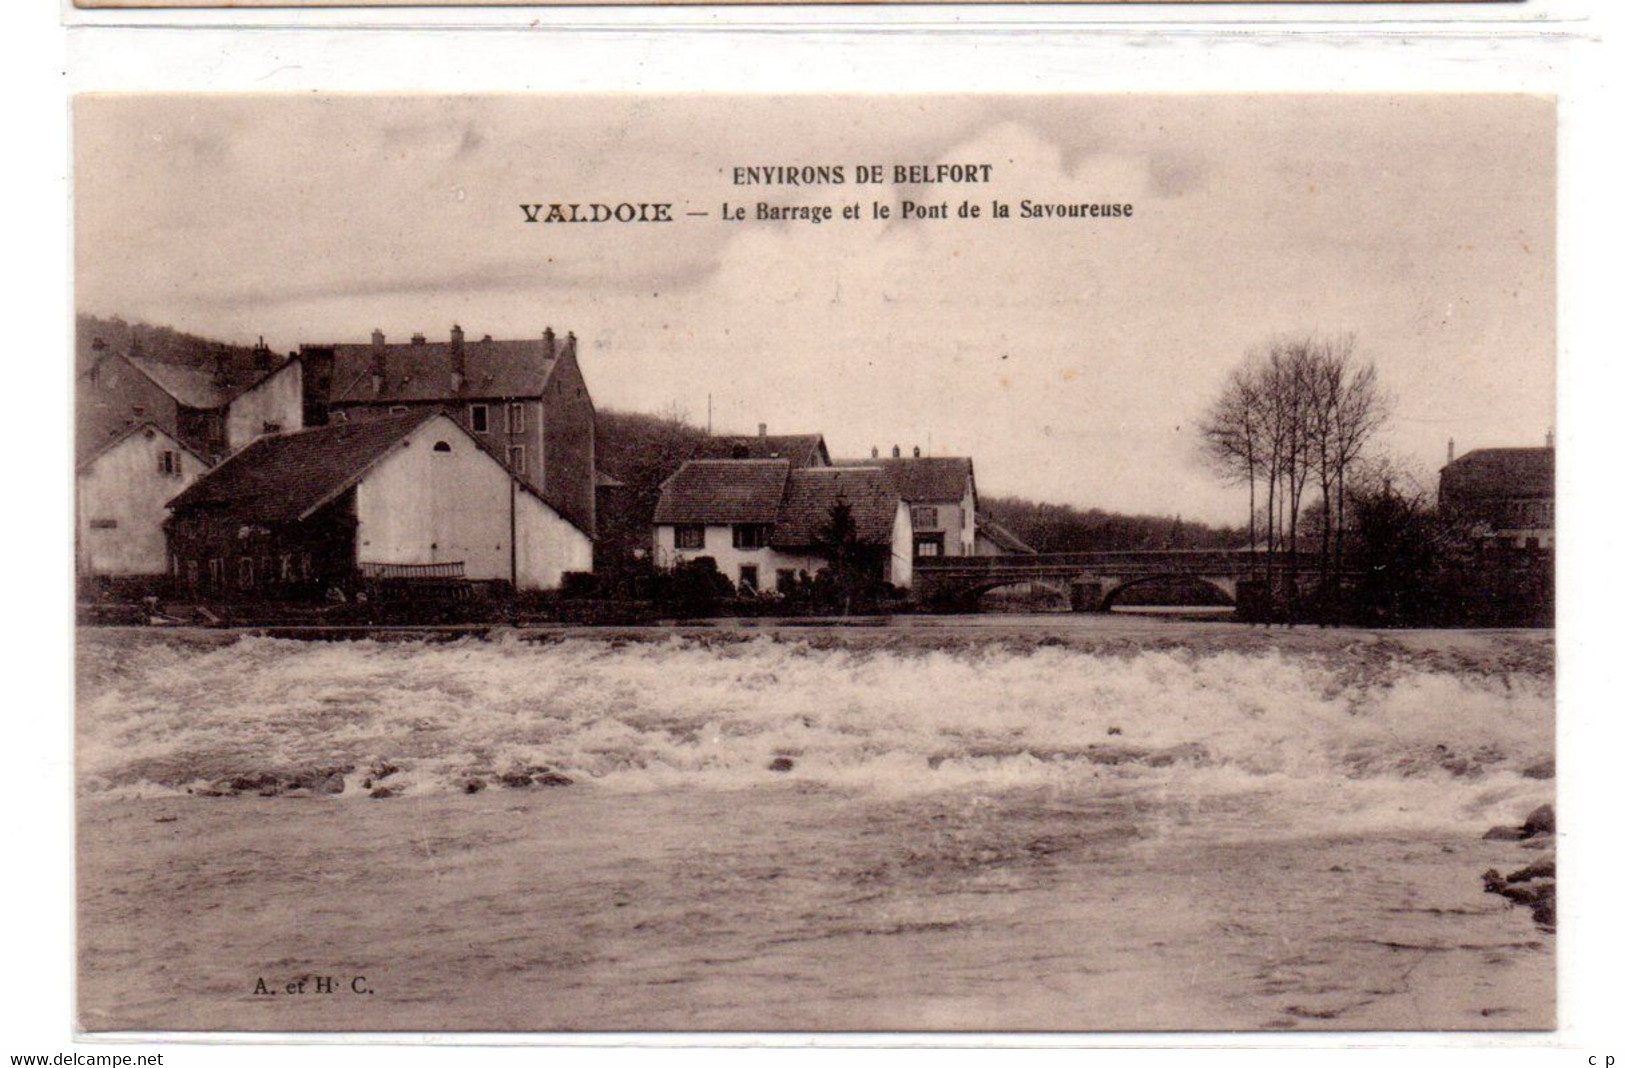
(894, 563)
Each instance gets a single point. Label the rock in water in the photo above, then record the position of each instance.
(1541, 821)
(1541, 769)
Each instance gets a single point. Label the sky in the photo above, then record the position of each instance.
(1071, 358)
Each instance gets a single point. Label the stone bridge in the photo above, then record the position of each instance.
(1092, 581)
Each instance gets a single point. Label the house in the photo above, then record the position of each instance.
(801, 450)
(995, 539)
(294, 515)
(213, 398)
(1505, 496)
(120, 493)
(525, 400)
(940, 492)
(765, 522)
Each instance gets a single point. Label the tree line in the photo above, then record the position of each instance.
(1295, 418)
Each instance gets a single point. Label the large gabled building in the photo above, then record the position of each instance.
(294, 515)
(1506, 497)
(524, 400)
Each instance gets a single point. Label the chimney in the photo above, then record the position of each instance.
(1551, 439)
(377, 362)
(761, 434)
(570, 343)
(916, 452)
(1450, 452)
(222, 368)
(419, 339)
(874, 452)
(896, 451)
(548, 350)
(459, 359)
(262, 355)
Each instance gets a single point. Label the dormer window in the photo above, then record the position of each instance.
(479, 418)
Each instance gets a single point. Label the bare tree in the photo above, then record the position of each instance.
(1296, 413)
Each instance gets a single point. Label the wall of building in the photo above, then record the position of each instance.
(569, 469)
(956, 521)
(719, 546)
(424, 506)
(900, 573)
(279, 401)
(549, 545)
(420, 506)
(124, 486)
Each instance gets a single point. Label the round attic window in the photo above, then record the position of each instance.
(441, 446)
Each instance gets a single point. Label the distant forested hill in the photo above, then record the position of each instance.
(154, 342)
(644, 450)
(1060, 528)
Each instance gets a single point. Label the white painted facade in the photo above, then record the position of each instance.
(278, 401)
(954, 520)
(439, 498)
(120, 499)
(769, 562)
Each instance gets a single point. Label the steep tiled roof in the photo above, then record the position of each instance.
(723, 491)
(923, 478)
(195, 387)
(1001, 536)
(802, 450)
(813, 492)
(1486, 474)
(423, 371)
(281, 478)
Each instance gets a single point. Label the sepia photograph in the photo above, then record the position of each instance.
(816, 563)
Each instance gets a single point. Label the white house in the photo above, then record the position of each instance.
(120, 493)
(763, 521)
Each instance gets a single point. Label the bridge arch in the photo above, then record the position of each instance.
(1224, 586)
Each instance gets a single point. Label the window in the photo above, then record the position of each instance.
(169, 463)
(479, 418)
(191, 574)
(516, 418)
(516, 458)
(104, 524)
(217, 573)
(245, 571)
(304, 566)
(689, 537)
(749, 535)
(748, 578)
(442, 446)
(784, 578)
(1531, 543)
(138, 410)
(270, 428)
(928, 545)
(397, 409)
(341, 417)
(924, 518)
